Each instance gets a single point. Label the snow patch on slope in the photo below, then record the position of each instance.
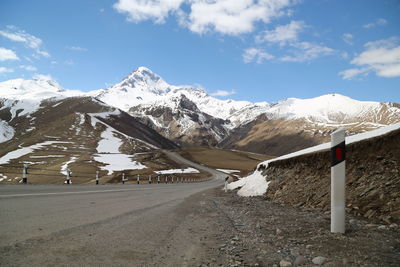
(109, 154)
(26, 150)
(6, 132)
(64, 167)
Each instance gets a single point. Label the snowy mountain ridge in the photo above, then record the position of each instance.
(189, 115)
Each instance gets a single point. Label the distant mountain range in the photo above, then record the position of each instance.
(156, 114)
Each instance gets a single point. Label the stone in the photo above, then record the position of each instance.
(285, 263)
(300, 260)
(353, 221)
(382, 227)
(319, 260)
(278, 231)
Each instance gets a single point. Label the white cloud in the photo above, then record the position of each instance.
(232, 17)
(140, 10)
(381, 57)
(282, 34)
(223, 93)
(351, 73)
(7, 54)
(347, 38)
(375, 23)
(16, 35)
(28, 67)
(5, 70)
(305, 51)
(255, 54)
(76, 48)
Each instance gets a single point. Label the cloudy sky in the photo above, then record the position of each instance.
(257, 50)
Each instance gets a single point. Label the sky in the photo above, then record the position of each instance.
(255, 50)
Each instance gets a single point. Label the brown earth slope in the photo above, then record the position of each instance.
(373, 179)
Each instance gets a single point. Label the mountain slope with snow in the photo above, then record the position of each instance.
(298, 123)
(188, 115)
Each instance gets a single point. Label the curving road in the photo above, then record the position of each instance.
(87, 225)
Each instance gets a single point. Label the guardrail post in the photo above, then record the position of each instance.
(338, 181)
(68, 181)
(25, 174)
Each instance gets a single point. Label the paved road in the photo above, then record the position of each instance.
(54, 224)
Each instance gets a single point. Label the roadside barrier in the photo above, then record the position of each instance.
(67, 175)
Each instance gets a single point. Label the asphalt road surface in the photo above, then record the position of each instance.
(88, 225)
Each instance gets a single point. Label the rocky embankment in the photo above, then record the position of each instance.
(372, 173)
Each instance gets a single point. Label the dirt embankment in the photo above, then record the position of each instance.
(372, 173)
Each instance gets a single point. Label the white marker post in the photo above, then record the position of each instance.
(338, 181)
(68, 181)
(158, 179)
(97, 177)
(138, 179)
(149, 179)
(25, 174)
(123, 178)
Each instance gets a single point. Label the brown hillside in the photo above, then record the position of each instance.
(373, 179)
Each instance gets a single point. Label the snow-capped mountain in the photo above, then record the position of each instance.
(188, 115)
(25, 96)
(205, 121)
(295, 124)
(143, 86)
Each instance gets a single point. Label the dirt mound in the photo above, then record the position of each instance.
(372, 173)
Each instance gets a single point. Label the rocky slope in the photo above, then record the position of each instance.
(373, 179)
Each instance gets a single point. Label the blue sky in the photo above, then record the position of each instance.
(256, 50)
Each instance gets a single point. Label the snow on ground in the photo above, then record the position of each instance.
(25, 150)
(81, 121)
(6, 131)
(118, 162)
(64, 167)
(228, 171)
(252, 186)
(47, 156)
(111, 144)
(172, 171)
(94, 121)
